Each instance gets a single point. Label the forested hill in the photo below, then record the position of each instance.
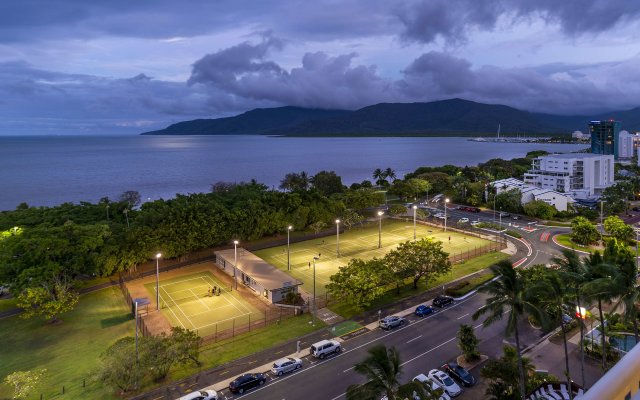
(260, 121)
(454, 117)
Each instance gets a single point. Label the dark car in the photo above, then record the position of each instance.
(423, 310)
(391, 322)
(247, 381)
(441, 301)
(460, 374)
(516, 217)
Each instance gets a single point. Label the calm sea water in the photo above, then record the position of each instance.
(49, 170)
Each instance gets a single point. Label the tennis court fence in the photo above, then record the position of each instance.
(142, 325)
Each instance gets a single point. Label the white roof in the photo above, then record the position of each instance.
(268, 276)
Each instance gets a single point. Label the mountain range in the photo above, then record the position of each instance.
(454, 117)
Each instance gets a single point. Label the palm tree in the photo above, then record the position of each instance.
(389, 173)
(304, 181)
(600, 288)
(556, 289)
(625, 286)
(509, 294)
(572, 271)
(378, 176)
(382, 369)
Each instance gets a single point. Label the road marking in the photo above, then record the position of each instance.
(415, 338)
(462, 316)
(349, 369)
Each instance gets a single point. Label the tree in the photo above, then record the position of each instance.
(327, 183)
(422, 258)
(617, 228)
(468, 343)
(187, 344)
(359, 283)
(419, 186)
(397, 209)
(509, 200)
(389, 174)
(295, 182)
(131, 197)
(379, 177)
(539, 209)
(627, 291)
(382, 370)
(402, 189)
(508, 294)
(504, 373)
(571, 270)
(351, 218)
(583, 232)
(49, 300)
(24, 382)
(118, 366)
(317, 226)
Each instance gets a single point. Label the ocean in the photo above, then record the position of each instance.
(49, 170)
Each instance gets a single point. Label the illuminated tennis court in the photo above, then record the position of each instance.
(359, 243)
(202, 303)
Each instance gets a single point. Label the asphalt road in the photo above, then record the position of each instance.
(424, 343)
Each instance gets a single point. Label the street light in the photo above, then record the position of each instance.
(446, 201)
(289, 228)
(235, 262)
(380, 228)
(414, 221)
(314, 289)
(500, 217)
(338, 237)
(158, 281)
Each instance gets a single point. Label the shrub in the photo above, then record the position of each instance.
(513, 234)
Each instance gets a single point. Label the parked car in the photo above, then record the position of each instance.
(475, 222)
(504, 214)
(247, 381)
(284, 365)
(391, 322)
(516, 217)
(201, 395)
(422, 378)
(460, 374)
(441, 301)
(324, 348)
(423, 310)
(463, 220)
(445, 381)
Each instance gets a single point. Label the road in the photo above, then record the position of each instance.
(423, 344)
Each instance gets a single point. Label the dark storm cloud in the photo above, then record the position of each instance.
(321, 81)
(428, 20)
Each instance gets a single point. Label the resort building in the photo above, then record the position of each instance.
(560, 201)
(579, 175)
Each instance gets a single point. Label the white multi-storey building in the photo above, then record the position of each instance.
(625, 145)
(580, 175)
(560, 201)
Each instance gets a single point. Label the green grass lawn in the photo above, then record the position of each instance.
(357, 243)
(69, 350)
(457, 271)
(186, 303)
(565, 240)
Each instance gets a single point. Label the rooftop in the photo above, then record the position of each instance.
(268, 276)
(577, 155)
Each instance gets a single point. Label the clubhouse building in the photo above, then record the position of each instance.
(264, 279)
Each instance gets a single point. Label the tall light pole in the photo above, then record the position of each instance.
(314, 289)
(637, 234)
(235, 262)
(415, 208)
(136, 302)
(289, 228)
(494, 207)
(338, 237)
(601, 224)
(380, 228)
(500, 217)
(446, 201)
(158, 281)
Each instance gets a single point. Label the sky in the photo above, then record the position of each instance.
(122, 66)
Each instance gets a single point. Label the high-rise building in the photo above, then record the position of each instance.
(605, 137)
(625, 145)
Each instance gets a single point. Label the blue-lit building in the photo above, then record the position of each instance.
(605, 136)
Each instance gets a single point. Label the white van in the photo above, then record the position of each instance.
(325, 347)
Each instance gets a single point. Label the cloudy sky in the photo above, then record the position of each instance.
(122, 66)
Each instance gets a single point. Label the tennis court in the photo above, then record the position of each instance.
(187, 301)
(359, 243)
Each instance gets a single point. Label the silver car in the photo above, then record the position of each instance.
(284, 365)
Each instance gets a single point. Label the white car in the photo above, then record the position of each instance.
(285, 365)
(201, 395)
(445, 382)
(439, 215)
(434, 386)
(463, 220)
(475, 222)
